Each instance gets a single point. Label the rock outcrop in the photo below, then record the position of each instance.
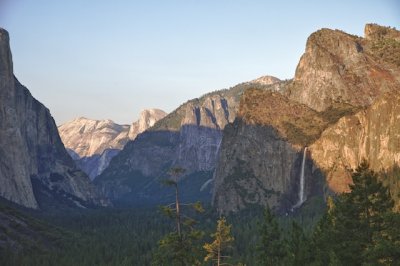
(372, 134)
(189, 137)
(261, 153)
(342, 105)
(93, 143)
(339, 67)
(33, 161)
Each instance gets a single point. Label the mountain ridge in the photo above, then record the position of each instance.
(94, 143)
(188, 137)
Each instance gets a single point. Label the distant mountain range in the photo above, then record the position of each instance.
(244, 146)
(93, 143)
(287, 144)
(189, 137)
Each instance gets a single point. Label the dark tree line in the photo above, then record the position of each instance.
(357, 228)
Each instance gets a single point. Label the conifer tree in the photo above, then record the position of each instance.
(222, 241)
(360, 215)
(322, 238)
(271, 249)
(298, 247)
(180, 247)
(386, 243)
(359, 226)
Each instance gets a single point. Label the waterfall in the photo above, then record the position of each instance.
(206, 184)
(302, 181)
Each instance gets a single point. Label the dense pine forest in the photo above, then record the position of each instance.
(356, 228)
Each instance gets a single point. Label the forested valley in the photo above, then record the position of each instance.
(357, 228)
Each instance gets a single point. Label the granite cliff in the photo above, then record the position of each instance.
(189, 137)
(93, 143)
(342, 105)
(339, 67)
(34, 165)
(261, 153)
(372, 134)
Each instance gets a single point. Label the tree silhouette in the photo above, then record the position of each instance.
(180, 247)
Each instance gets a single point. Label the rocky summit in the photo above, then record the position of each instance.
(93, 143)
(341, 108)
(35, 168)
(339, 67)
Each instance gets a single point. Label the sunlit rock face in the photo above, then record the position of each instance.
(372, 134)
(339, 67)
(33, 161)
(93, 143)
(343, 104)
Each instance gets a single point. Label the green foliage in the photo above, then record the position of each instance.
(357, 228)
(386, 244)
(103, 237)
(222, 241)
(391, 179)
(182, 250)
(271, 249)
(298, 249)
(181, 247)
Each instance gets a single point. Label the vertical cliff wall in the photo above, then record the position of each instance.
(33, 160)
(189, 137)
(342, 104)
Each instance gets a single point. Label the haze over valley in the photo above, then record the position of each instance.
(289, 170)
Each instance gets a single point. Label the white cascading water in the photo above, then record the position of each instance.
(302, 199)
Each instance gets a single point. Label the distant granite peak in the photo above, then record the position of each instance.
(266, 80)
(96, 142)
(147, 119)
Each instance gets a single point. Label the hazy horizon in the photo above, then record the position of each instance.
(104, 60)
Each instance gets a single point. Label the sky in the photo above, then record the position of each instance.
(104, 59)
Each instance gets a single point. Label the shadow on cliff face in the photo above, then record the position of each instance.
(135, 175)
(391, 179)
(256, 166)
(315, 188)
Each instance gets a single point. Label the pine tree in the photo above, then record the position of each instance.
(272, 249)
(176, 172)
(298, 247)
(222, 241)
(322, 239)
(360, 215)
(358, 225)
(180, 247)
(386, 248)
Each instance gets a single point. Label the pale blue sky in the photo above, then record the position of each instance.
(111, 59)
